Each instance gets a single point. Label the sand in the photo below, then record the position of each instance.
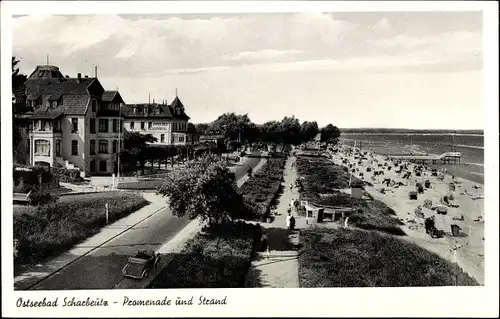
(467, 249)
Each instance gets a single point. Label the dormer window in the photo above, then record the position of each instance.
(136, 110)
(157, 111)
(146, 110)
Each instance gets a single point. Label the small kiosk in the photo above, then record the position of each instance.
(357, 190)
(314, 214)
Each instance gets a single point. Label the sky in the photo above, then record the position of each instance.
(380, 69)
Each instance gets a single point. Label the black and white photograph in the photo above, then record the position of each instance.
(156, 152)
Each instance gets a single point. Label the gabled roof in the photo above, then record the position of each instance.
(108, 96)
(177, 102)
(164, 111)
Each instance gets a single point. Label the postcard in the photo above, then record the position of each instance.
(216, 158)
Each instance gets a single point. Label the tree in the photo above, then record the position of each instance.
(309, 130)
(135, 149)
(232, 126)
(205, 189)
(290, 130)
(18, 104)
(271, 133)
(202, 128)
(329, 133)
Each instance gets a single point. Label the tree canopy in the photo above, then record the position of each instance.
(329, 133)
(206, 188)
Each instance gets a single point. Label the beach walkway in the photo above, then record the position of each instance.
(279, 269)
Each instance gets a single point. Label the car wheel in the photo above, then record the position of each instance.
(145, 274)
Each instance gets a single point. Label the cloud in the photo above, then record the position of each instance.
(383, 25)
(265, 54)
(145, 46)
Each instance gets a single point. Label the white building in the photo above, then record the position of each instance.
(74, 123)
(168, 123)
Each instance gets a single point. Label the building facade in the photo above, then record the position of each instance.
(75, 123)
(167, 123)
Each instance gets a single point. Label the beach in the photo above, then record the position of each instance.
(467, 211)
(471, 147)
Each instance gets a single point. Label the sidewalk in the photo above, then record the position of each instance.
(281, 268)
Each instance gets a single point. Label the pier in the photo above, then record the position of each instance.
(445, 158)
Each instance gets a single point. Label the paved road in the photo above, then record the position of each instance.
(101, 269)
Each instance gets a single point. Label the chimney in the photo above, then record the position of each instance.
(86, 76)
(79, 78)
(153, 100)
(67, 76)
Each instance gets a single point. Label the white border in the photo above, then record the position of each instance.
(347, 302)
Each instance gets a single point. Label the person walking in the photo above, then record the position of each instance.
(292, 223)
(288, 217)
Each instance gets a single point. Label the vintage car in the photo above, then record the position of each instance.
(138, 266)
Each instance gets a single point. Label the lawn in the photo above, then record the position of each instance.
(264, 186)
(48, 230)
(358, 258)
(218, 257)
(320, 180)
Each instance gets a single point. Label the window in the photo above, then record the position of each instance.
(181, 138)
(102, 166)
(157, 111)
(103, 126)
(132, 125)
(146, 111)
(162, 138)
(74, 125)
(143, 126)
(115, 125)
(42, 147)
(92, 166)
(92, 125)
(136, 110)
(92, 147)
(94, 105)
(74, 148)
(42, 125)
(103, 146)
(58, 148)
(150, 125)
(57, 125)
(115, 146)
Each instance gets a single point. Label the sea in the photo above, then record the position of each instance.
(470, 145)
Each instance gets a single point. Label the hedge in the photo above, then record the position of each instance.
(357, 258)
(263, 188)
(54, 228)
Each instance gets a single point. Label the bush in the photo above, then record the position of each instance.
(24, 188)
(30, 174)
(264, 187)
(356, 258)
(56, 227)
(41, 196)
(217, 258)
(68, 175)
